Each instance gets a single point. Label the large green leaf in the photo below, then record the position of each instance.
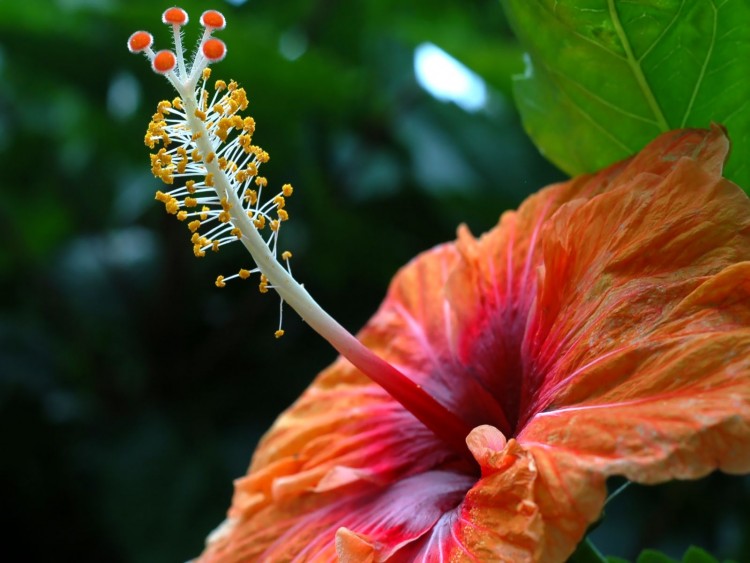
(604, 77)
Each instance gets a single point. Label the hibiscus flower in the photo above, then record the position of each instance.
(602, 329)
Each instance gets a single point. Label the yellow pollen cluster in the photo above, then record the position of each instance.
(183, 155)
(202, 148)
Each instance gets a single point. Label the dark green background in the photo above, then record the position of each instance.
(132, 391)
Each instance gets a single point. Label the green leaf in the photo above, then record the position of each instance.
(653, 556)
(697, 555)
(604, 77)
(586, 552)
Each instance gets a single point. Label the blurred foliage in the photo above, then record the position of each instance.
(613, 75)
(692, 555)
(132, 391)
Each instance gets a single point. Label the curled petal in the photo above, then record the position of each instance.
(527, 507)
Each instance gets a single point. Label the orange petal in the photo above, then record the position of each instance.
(641, 334)
(680, 410)
(353, 548)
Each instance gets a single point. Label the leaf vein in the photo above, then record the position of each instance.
(581, 36)
(636, 69)
(702, 74)
(605, 102)
(590, 119)
(662, 34)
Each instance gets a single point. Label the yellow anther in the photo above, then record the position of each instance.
(251, 196)
(287, 189)
(279, 201)
(190, 186)
(210, 158)
(248, 124)
(162, 197)
(220, 281)
(274, 225)
(223, 132)
(218, 108)
(166, 176)
(252, 169)
(190, 202)
(236, 232)
(163, 106)
(215, 245)
(222, 163)
(182, 215)
(241, 176)
(239, 97)
(164, 158)
(177, 103)
(224, 217)
(237, 122)
(149, 138)
(194, 225)
(195, 155)
(172, 206)
(200, 114)
(197, 135)
(260, 222)
(286, 255)
(243, 273)
(199, 253)
(232, 86)
(206, 73)
(261, 181)
(279, 333)
(225, 205)
(283, 214)
(263, 285)
(204, 212)
(196, 238)
(209, 179)
(220, 85)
